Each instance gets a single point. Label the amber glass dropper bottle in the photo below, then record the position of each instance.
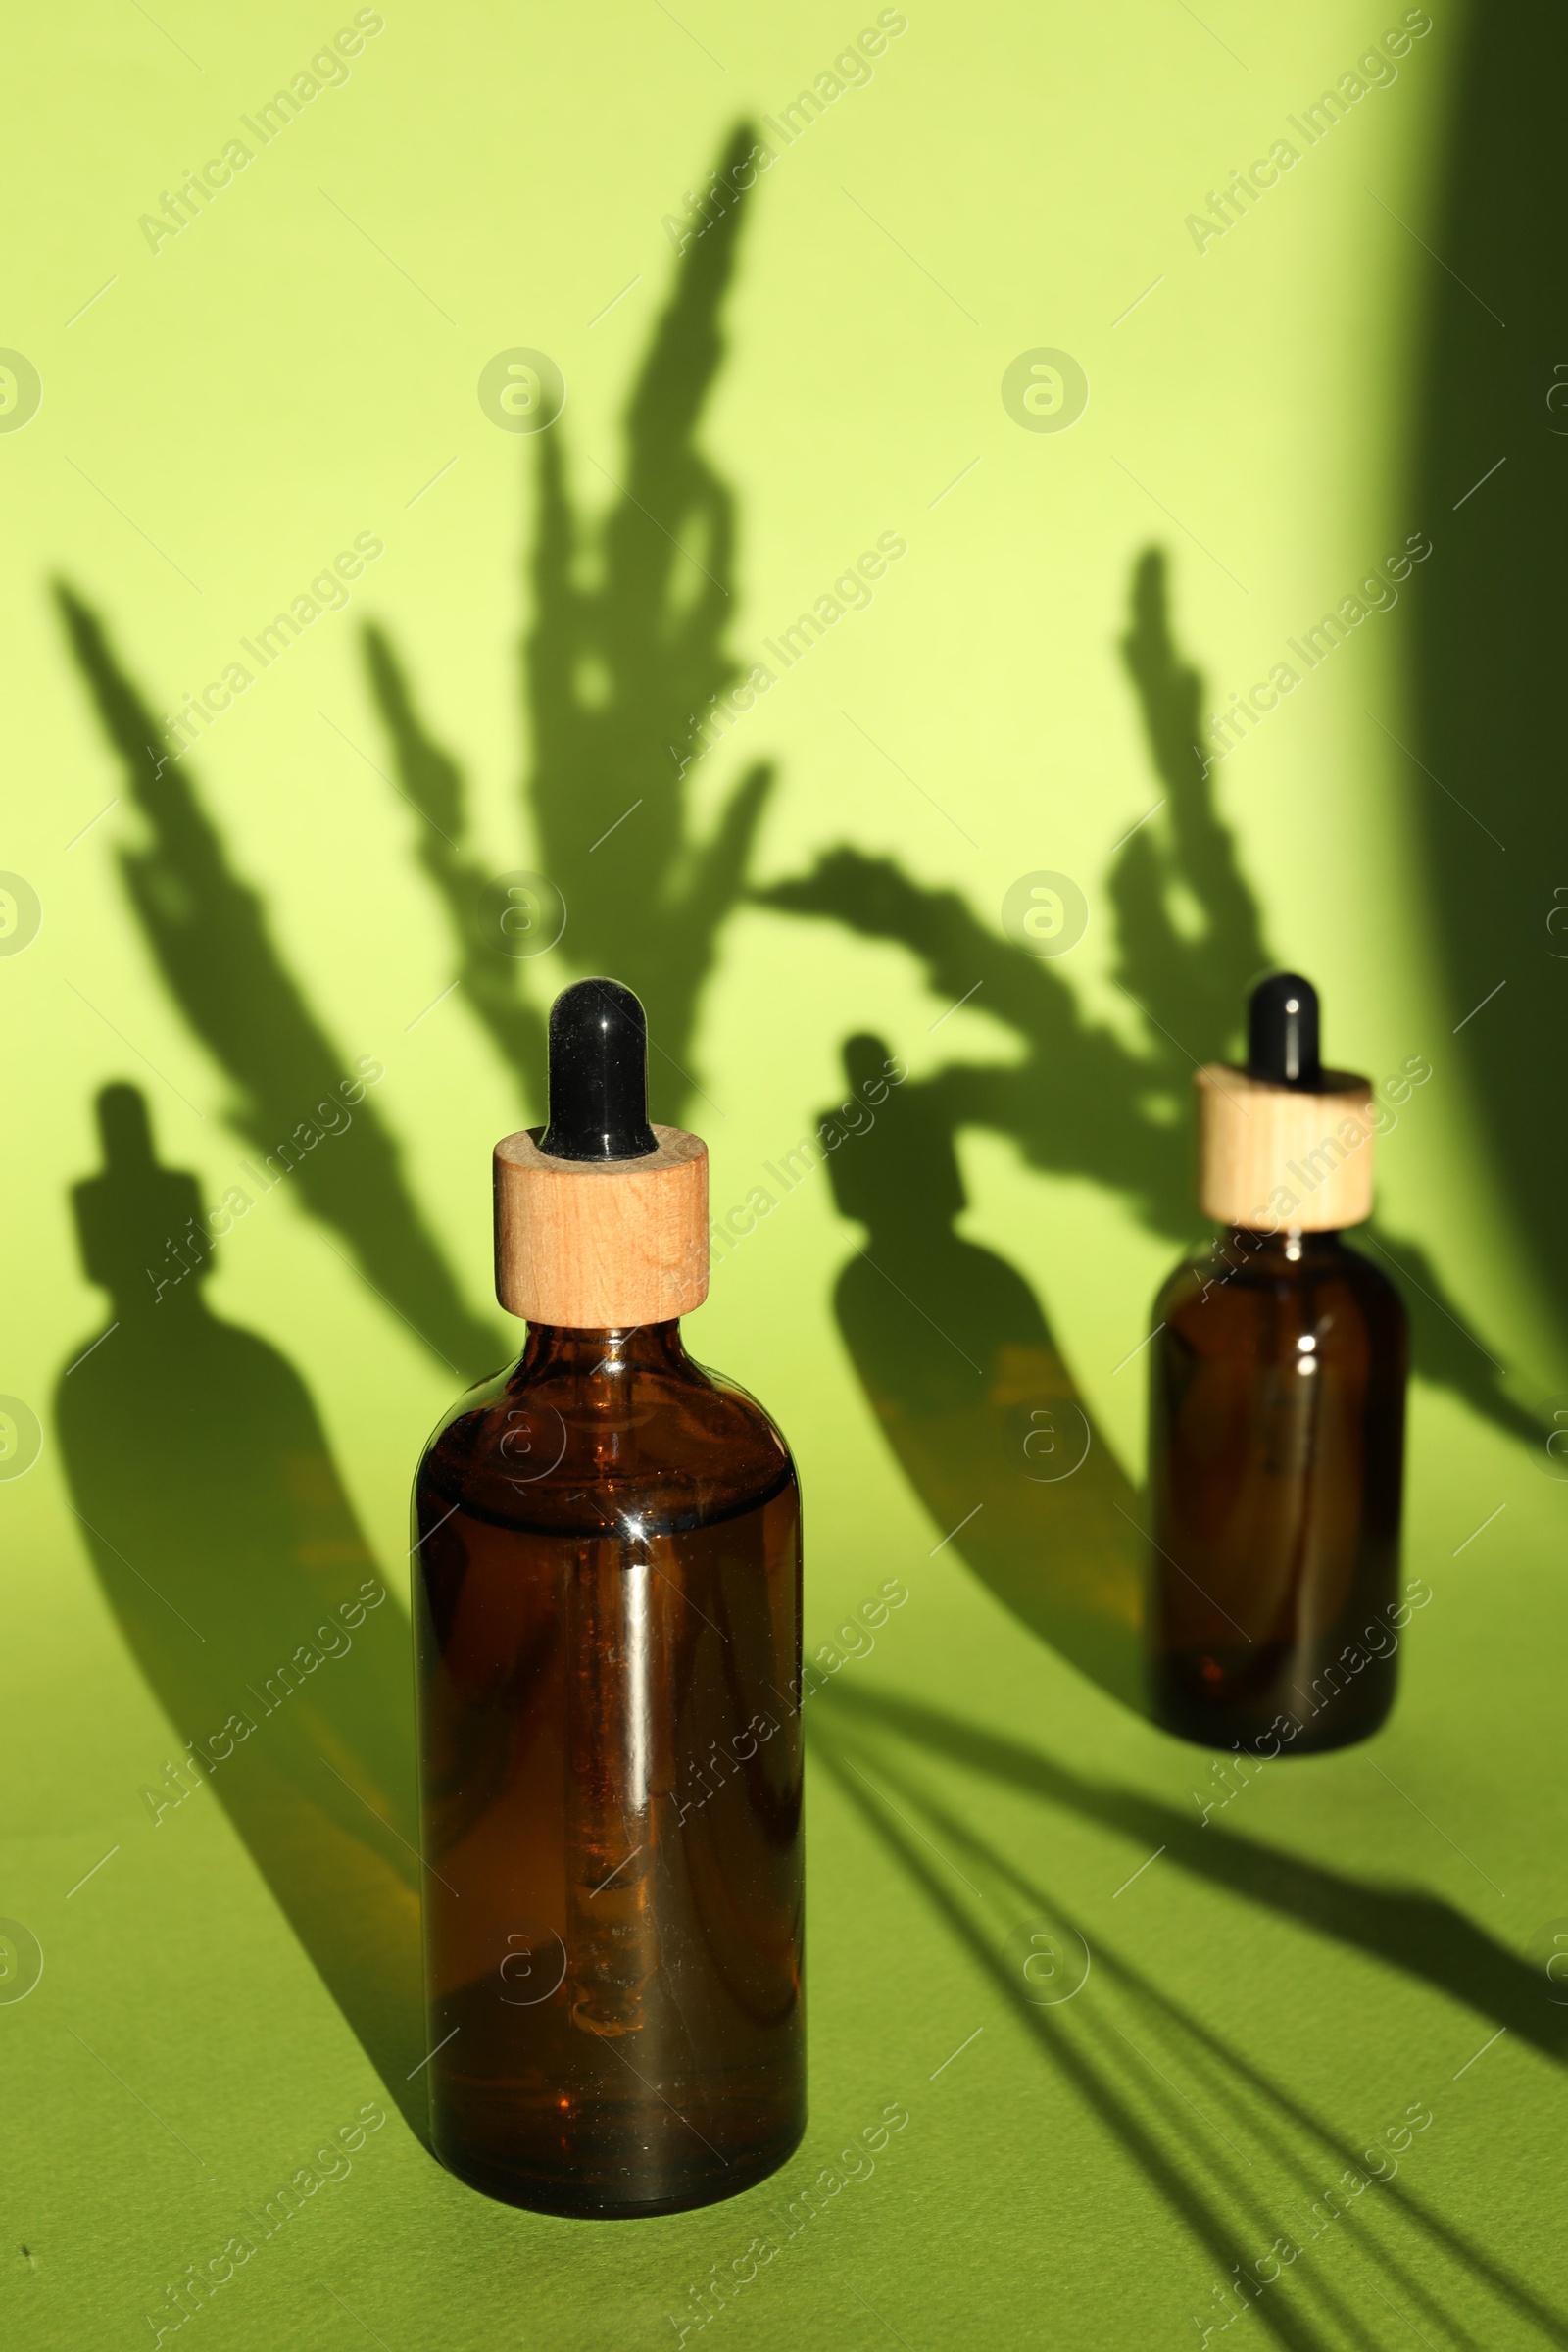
(606, 1618)
(1277, 1420)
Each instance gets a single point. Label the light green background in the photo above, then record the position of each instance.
(271, 384)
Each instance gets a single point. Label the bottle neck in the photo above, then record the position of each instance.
(559, 1348)
(1280, 1252)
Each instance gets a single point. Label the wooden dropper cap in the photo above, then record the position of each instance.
(1283, 1144)
(601, 1219)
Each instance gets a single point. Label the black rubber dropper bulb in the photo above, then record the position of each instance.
(1282, 1047)
(597, 1075)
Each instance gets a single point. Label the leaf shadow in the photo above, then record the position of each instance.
(624, 661)
(1023, 1926)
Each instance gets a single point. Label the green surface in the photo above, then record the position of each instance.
(1275, 1986)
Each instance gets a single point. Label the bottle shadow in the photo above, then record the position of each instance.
(237, 1573)
(1027, 1943)
(973, 1397)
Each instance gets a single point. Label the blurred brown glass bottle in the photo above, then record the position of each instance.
(606, 1618)
(1277, 1417)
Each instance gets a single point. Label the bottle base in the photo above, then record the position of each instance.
(1264, 1742)
(603, 2200)
(1262, 1707)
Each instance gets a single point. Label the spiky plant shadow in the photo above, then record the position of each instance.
(623, 657)
(209, 936)
(1079, 1100)
(616, 680)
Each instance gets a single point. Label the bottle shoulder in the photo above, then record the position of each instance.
(668, 1447)
(1240, 1281)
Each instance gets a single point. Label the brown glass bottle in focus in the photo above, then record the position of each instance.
(1277, 1417)
(606, 1617)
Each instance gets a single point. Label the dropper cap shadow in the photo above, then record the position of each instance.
(597, 1075)
(901, 1176)
(1281, 1033)
(131, 1218)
